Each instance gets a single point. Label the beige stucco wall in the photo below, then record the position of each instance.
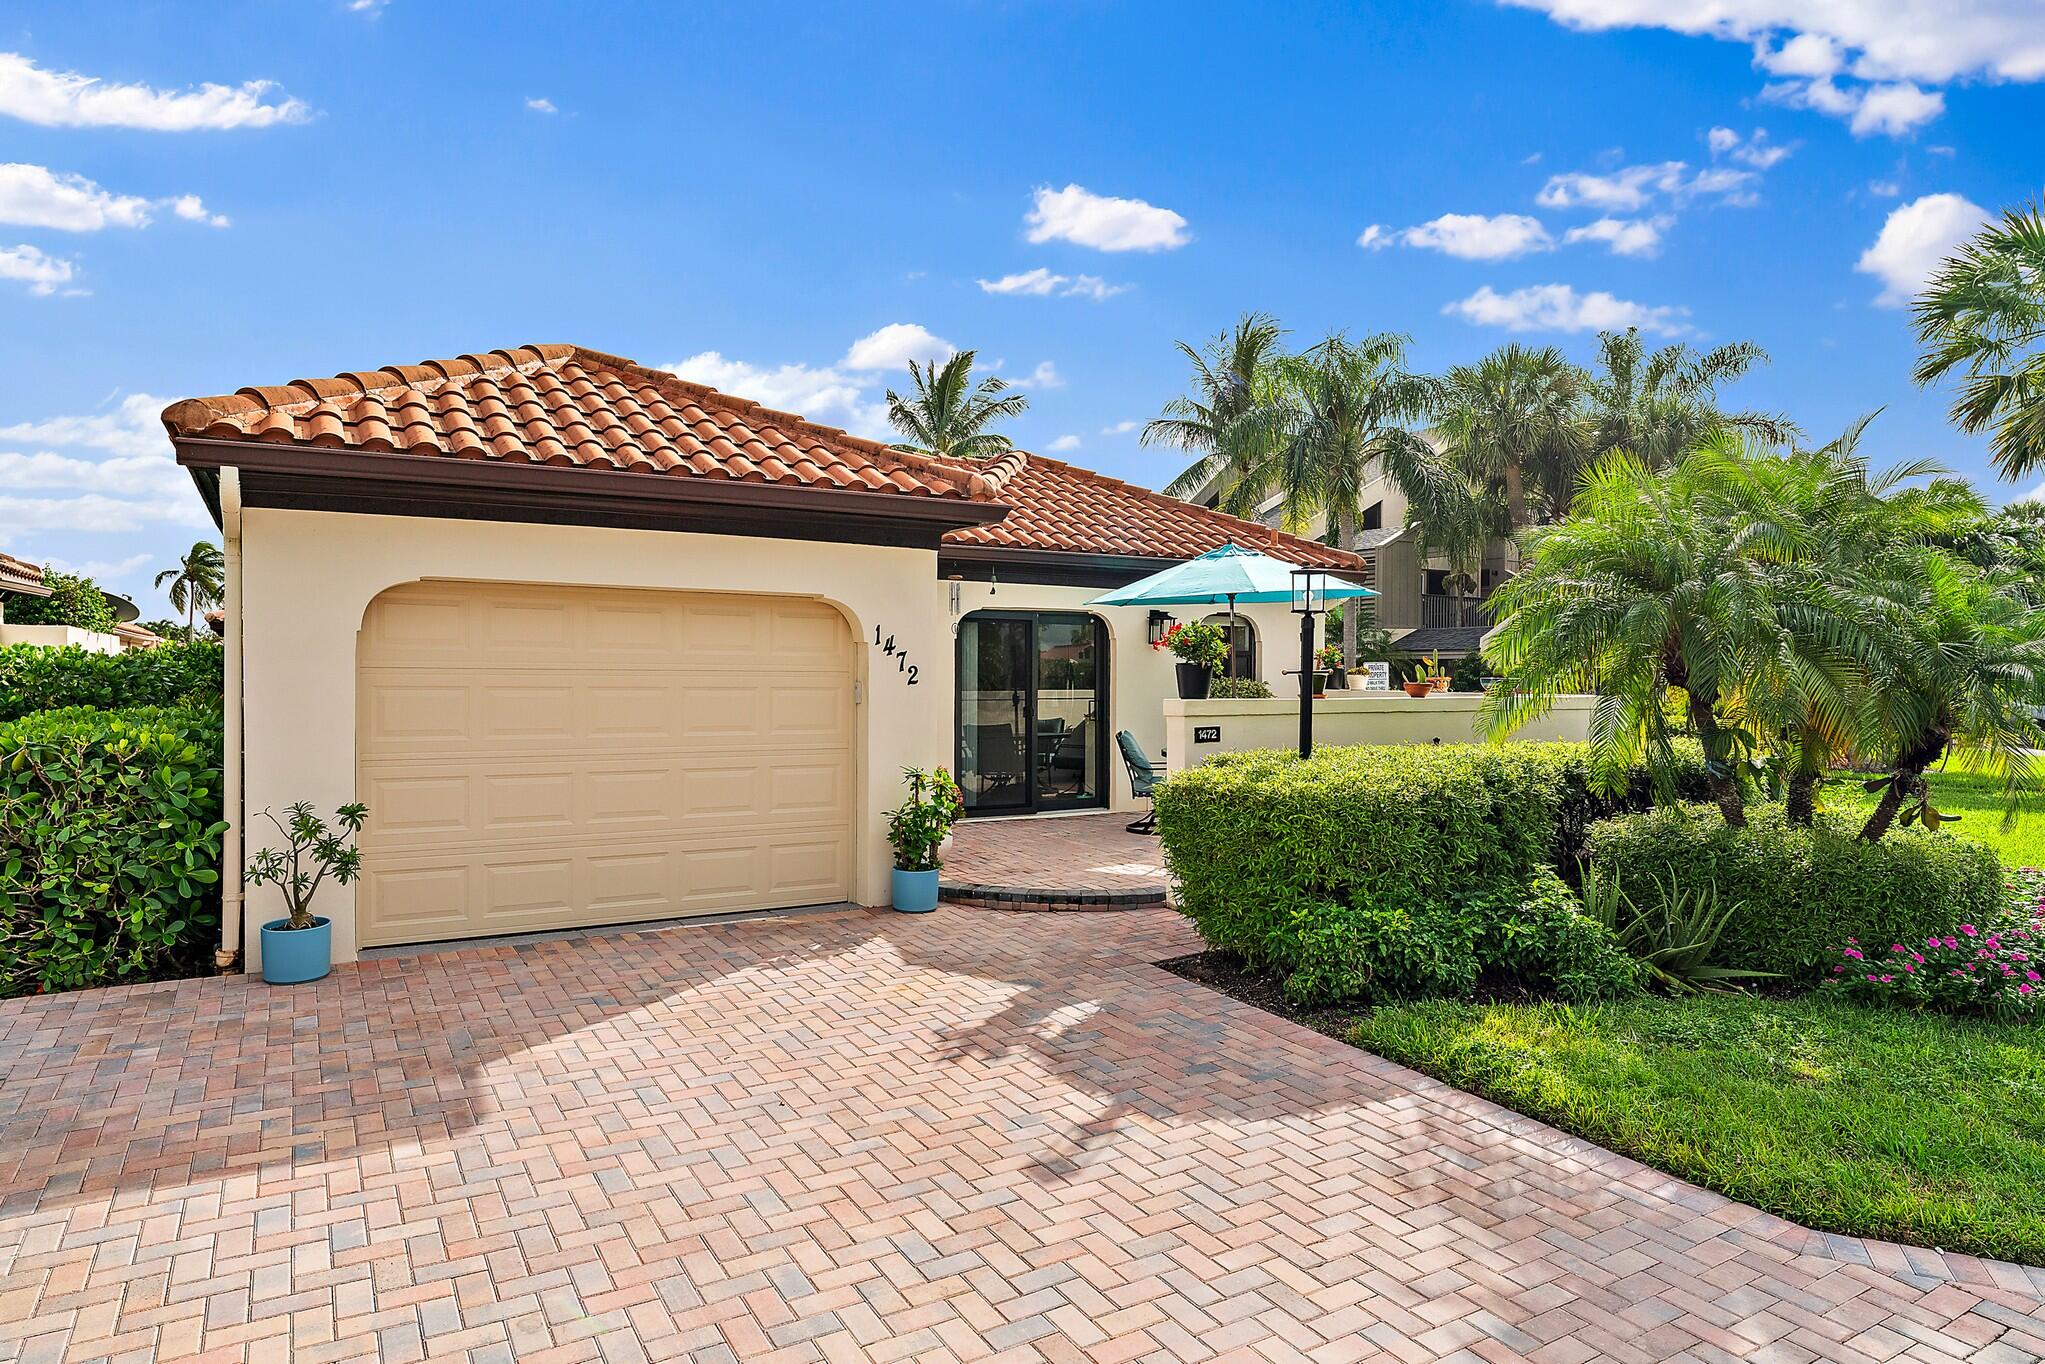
(1141, 681)
(60, 637)
(1355, 718)
(309, 576)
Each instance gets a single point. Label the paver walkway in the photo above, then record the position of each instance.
(1060, 854)
(859, 1136)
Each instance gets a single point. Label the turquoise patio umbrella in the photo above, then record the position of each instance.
(1229, 574)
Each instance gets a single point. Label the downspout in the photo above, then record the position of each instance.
(232, 886)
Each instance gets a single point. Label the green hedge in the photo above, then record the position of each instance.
(33, 678)
(1317, 869)
(110, 826)
(1803, 892)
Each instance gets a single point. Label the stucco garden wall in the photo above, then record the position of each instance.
(1353, 718)
(309, 577)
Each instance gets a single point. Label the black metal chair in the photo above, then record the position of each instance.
(1144, 777)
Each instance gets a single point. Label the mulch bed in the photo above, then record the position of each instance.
(1225, 973)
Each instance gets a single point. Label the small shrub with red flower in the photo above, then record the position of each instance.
(1995, 968)
(1193, 641)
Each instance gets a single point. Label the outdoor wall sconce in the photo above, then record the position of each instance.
(1160, 625)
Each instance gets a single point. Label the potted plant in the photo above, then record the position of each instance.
(1331, 664)
(1427, 679)
(1200, 649)
(300, 946)
(918, 829)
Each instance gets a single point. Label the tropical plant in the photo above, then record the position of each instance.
(1511, 432)
(311, 853)
(1223, 421)
(1643, 590)
(1340, 422)
(1982, 317)
(948, 414)
(921, 823)
(1658, 404)
(1673, 937)
(74, 600)
(1193, 641)
(197, 583)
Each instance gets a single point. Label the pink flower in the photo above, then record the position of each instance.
(1855, 954)
(1968, 929)
(2032, 975)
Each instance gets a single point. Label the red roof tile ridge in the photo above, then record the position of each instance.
(194, 416)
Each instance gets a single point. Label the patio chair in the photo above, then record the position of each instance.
(1143, 779)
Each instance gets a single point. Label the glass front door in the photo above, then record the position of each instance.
(1032, 711)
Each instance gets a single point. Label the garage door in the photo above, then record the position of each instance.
(540, 757)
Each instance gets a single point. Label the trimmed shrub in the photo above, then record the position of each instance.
(1802, 892)
(1238, 688)
(1358, 866)
(109, 846)
(34, 679)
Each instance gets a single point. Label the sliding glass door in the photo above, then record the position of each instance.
(1032, 711)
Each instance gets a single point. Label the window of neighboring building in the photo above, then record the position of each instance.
(1374, 516)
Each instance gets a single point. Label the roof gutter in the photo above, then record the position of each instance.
(233, 890)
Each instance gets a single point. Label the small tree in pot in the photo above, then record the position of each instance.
(917, 829)
(299, 946)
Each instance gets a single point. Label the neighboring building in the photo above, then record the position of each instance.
(1415, 600)
(19, 578)
(134, 636)
(598, 645)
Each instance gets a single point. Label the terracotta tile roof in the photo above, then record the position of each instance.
(564, 405)
(135, 636)
(19, 575)
(1057, 506)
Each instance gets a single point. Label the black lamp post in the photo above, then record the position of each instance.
(1309, 599)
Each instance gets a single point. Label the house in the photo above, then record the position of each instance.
(23, 579)
(1417, 599)
(19, 578)
(598, 645)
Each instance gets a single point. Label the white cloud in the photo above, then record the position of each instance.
(1558, 307)
(1884, 189)
(1917, 237)
(133, 427)
(1632, 188)
(822, 394)
(36, 196)
(96, 512)
(540, 104)
(1889, 49)
(1077, 215)
(1045, 375)
(43, 274)
(1376, 237)
(894, 346)
(2036, 494)
(1042, 283)
(66, 99)
(1625, 236)
(105, 571)
(1063, 444)
(1753, 150)
(1120, 428)
(1475, 236)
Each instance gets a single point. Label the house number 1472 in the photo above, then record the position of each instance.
(901, 656)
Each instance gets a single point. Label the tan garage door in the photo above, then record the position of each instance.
(542, 757)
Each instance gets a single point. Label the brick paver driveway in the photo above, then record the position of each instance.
(855, 1137)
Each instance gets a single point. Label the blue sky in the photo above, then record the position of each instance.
(787, 201)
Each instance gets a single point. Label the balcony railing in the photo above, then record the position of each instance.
(1438, 609)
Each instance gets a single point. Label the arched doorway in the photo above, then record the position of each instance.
(1032, 711)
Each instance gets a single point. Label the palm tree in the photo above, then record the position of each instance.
(1224, 420)
(197, 583)
(1642, 590)
(1983, 315)
(1659, 404)
(1340, 424)
(1509, 424)
(948, 414)
(1962, 665)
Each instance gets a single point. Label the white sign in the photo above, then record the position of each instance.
(1376, 676)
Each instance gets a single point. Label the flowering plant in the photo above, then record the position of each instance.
(1196, 642)
(1996, 968)
(1329, 656)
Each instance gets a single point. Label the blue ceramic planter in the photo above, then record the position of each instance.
(291, 955)
(915, 892)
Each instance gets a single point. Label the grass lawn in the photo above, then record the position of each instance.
(1978, 802)
(1917, 1128)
